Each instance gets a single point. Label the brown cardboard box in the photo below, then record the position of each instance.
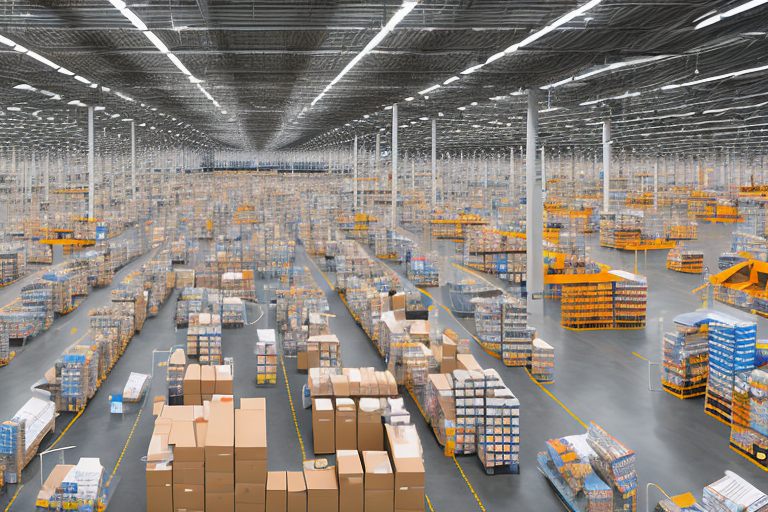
(220, 440)
(297, 492)
(250, 434)
(220, 501)
(301, 360)
(323, 426)
(277, 491)
(219, 482)
(322, 489)
(223, 380)
(189, 473)
(250, 471)
(409, 484)
(206, 398)
(258, 403)
(346, 424)
(189, 497)
(191, 382)
(158, 449)
(398, 301)
(468, 362)
(379, 482)
(350, 474)
(379, 501)
(353, 377)
(159, 485)
(207, 380)
(392, 383)
(184, 442)
(193, 399)
(313, 356)
(178, 412)
(370, 431)
(249, 507)
(250, 493)
(340, 385)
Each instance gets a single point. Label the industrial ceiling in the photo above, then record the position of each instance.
(256, 75)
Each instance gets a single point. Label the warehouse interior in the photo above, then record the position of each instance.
(383, 255)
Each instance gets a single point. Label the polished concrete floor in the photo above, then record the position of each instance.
(598, 378)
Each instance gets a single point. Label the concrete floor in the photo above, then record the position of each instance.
(597, 378)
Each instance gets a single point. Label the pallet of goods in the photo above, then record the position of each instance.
(688, 262)
(266, 357)
(731, 350)
(20, 437)
(543, 361)
(686, 361)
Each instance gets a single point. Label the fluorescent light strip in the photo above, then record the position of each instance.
(621, 97)
(605, 69)
(156, 41)
(732, 12)
(451, 80)
(406, 8)
(429, 89)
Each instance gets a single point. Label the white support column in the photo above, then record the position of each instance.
(606, 165)
(91, 171)
(543, 176)
(354, 173)
(394, 165)
(434, 164)
(133, 160)
(534, 213)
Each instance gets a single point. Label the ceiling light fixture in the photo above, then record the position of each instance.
(732, 12)
(81, 79)
(429, 89)
(7, 42)
(65, 71)
(406, 8)
(42, 59)
(133, 19)
(451, 80)
(156, 41)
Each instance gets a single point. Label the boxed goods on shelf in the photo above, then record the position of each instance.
(502, 328)
(734, 493)
(611, 300)
(423, 270)
(731, 350)
(191, 301)
(749, 430)
(266, 357)
(5, 349)
(543, 361)
(20, 436)
(498, 441)
(204, 338)
(689, 262)
(233, 312)
(686, 361)
(177, 363)
(78, 374)
(83, 487)
(13, 264)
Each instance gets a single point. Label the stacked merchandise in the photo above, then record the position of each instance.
(179, 252)
(498, 437)
(566, 464)
(734, 493)
(469, 389)
(686, 361)
(424, 270)
(587, 306)
(82, 488)
(185, 278)
(204, 338)
(749, 431)
(13, 263)
(238, 284)
(63, 295)
(619, 231)
(266, 357)
(629, 302)
(113, 324)
(615, 464)
(689, 262)
(78, 374)
(502, 328)
(543, 361)
(233, 312)
(731, 350)
(682, 230)
(21, 322)
(39, 253)
(136, 387)
(441, 409)
(20, 437)
(130, 294)
(5, 348)
(36, 297)
(191, 301)
(177, 364)
(323, 352)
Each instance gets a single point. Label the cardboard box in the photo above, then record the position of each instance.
(378, 471)
(350, 475)
(249, 507)
(178, 412)
(159, 486)
(207, 398)
(468, 362)
(346, 424)
(220, 439)
(277, 491)
(223, 380)
(301, 360)
(313, 356)
(340, 385)
(219, 482)
(191, 382)
(370, 431)
(184, 442)
(250, 471)
(189, 497)
(250, 434)
(207, 380)
(189, 473)
(250, 493)
(159, 499)
(258, 403)
(409, 484)
(220, 501)
(322, 489)
(297, 492)
(193, 399)
(323, 426)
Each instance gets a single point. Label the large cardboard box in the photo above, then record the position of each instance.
(250, 471)
(193, 399)
(207, 380)
(277, 491)
(191, 382)
(188, 497)
(223, 380)
(297, 492)
(370, 430)
(350, 474)
(250, 493)
(220, 501)
(258, 403)
(379, 482)
(249, 507)
(409, 484)
(346, 424)
(468, 362)
(178, 412)
(184, 441)
(313, 356)
(323, 426)
(159, 486)
(340, 385)
(219, 482)
(250, 434)
(301, 360)
(322, 489)
(220, 439)
(191, 473)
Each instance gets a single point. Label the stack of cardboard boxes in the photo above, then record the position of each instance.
(250, 455)
(220, 457)
(202, 382)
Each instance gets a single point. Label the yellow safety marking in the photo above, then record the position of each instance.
(417, 404)
(469, 484)
(750, 460)
(14, 498)
(119, 460)
(293, 410)
(553, 397)
(429, 503)
(65, 430)
(638, 355)
(74, 330)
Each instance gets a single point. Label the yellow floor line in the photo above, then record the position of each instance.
(553, 397)
(417, 404)
(293, 410)
(638, 355)
(429, 503)
(14, 498)
(120, 459)
(65, 430)
(469, 484)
